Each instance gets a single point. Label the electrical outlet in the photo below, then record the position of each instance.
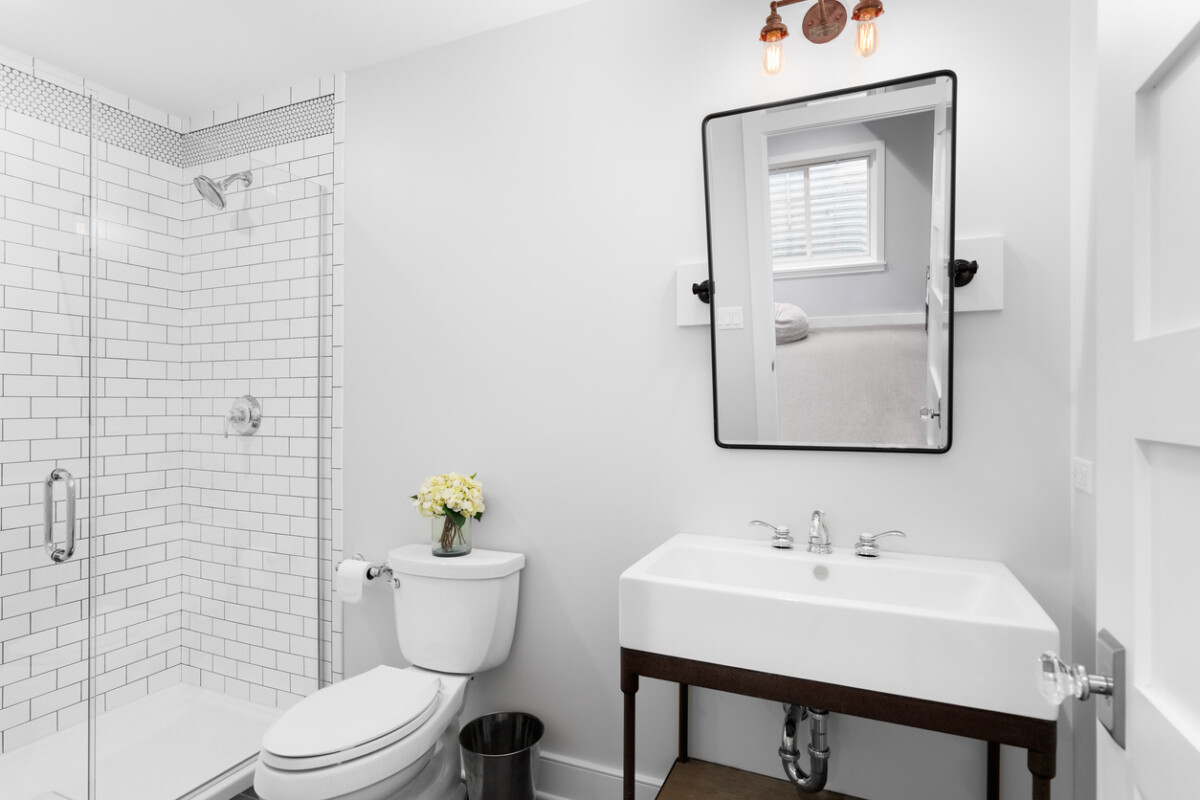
(1081, 474)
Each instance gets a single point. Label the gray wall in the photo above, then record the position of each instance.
(541, 349)
(908, 176)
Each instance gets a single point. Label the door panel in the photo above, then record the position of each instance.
(1148, 381)
(937, 291)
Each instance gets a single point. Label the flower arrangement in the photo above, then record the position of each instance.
(455, 497)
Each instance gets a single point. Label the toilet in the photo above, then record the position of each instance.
(391, 733)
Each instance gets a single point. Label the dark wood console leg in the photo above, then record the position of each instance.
(629, 686)
(993, 771)
(683, 722)
(630, 726)
(1042, 765)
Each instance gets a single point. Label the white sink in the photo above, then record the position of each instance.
(947, 629)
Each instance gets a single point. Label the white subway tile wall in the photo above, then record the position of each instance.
(137, 478)
(210, 564)
(253, 320)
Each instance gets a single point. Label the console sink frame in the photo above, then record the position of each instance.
(1037, 736)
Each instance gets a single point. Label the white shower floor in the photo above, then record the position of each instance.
(159, 747)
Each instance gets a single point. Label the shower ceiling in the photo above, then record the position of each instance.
(213, 54)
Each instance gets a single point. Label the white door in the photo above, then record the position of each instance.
(762, 276)
(1145, 177)
(937, 280)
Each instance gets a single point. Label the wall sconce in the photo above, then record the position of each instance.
(823, 22)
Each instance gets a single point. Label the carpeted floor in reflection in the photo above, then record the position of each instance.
(853, 385)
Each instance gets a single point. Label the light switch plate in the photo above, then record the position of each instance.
(729, 318)
(1081, 475)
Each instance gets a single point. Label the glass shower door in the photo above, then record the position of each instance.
(45, 446)
(133, 316)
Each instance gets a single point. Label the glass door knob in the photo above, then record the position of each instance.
(1058, 680)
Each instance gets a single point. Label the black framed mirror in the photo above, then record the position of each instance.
(831, 245)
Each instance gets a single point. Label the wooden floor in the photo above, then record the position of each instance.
(700, 780)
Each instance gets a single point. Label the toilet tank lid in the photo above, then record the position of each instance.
(418, 559)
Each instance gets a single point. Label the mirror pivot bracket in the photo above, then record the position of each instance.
(964, 271)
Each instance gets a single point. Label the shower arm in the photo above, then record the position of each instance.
(244, 176)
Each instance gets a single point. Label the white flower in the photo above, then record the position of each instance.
(451, 491)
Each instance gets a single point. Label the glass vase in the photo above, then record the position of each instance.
(449, 539)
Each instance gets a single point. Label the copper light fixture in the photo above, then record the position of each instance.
(866, 39)
(772, 36)
(823, 22)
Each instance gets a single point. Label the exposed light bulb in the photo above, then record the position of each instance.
(773, 59)
(867, 39)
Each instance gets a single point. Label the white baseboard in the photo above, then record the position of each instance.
(565, 778)
(912, 318)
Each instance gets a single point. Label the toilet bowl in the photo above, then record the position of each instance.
(391, 733)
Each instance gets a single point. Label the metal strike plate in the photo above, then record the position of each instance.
(1110, 709)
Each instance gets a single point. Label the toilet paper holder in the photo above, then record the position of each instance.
(376, 571)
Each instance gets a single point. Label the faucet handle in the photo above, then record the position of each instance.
(783, 535)
(868, 547)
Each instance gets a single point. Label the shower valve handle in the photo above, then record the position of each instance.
(244, 416)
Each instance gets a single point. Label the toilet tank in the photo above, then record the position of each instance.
(457, 613)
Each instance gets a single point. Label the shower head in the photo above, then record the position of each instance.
(214, 191)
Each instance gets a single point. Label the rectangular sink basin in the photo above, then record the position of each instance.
(951, 630)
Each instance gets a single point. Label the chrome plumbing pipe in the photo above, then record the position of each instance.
(818, 749)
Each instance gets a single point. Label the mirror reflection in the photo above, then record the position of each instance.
(830, 250)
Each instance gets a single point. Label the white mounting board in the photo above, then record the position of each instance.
(986, 291)
(689, 310)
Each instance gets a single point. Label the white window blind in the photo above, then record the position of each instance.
(820, 213)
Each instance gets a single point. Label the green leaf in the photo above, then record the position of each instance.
(458, 519)
(478, 515)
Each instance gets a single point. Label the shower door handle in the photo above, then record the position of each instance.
(57, 554)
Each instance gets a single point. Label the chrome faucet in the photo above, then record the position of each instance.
(868, 545)
(818, 535)
(782, 538)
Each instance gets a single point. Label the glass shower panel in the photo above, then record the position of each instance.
(45, 449)
(209, 534)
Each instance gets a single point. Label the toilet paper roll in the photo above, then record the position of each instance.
(349, 580)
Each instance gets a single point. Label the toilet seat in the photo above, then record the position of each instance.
(351, 719)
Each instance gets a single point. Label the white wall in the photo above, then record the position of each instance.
(539, 348)
(737, 385)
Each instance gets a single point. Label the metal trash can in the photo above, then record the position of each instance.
(500, 755)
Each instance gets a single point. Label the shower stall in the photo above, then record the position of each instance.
(165, 458)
